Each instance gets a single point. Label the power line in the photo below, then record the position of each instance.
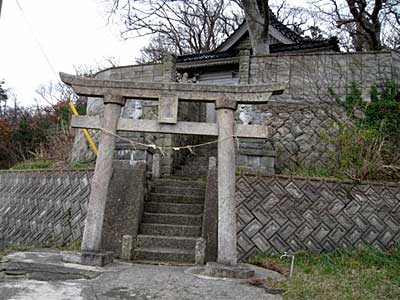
(35, 37)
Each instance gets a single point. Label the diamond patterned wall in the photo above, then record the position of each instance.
(275, 214)
(40, 208)
(280, 213)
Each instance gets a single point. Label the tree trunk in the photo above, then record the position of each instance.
(258, 19)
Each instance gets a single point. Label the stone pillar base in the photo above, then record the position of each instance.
(215, 270)
(224, 271)
(88, 258)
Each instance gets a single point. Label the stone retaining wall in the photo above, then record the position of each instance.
(299, 132)
(275, 213)
(396, 67)
(281, 213)
(296, 128)
(311, 76)
(40, 208)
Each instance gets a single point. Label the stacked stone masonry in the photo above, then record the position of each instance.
(299, 133)
(275, 213)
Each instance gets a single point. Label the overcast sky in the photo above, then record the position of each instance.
(72, 33)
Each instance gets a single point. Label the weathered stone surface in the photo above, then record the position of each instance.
(274, 213)
(311, 76)
(92, 234)
(216, 270)
(44, 266)
(277, 214)
(200, 252)
(43, 207)
(134, 281)
(248, 94)
(299, 136)
(88, 258)
(156, 166)
(124, 206)
(226, 188)
(98, 259)
(210, 217)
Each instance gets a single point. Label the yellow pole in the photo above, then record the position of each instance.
(85, 131)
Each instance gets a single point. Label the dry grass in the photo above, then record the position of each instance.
(367, 274)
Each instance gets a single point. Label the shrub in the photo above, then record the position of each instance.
(367, 147)
(358, 152)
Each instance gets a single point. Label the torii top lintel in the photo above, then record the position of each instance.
(241, 94)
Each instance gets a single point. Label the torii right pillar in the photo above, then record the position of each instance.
(227, 253)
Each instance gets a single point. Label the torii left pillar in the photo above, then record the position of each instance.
(91, 241)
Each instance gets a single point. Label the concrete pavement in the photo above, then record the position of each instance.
(43, 275)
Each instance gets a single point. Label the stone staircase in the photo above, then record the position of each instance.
(197, 164)
(172, 221)
(173, 213)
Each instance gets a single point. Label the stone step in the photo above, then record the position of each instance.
(173, 190)
(164, 254)
(158, 241)
(198, 184)
(187, 179)
(173, 208)
(190, 168)
(172, 219)
(193, 166)
(155, 197)
(186, 173)
(170, 230)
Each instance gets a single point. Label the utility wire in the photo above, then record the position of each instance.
(39, 44)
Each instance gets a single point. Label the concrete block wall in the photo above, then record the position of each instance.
(48, 207)
(39, 208)
(311, 76)
(281, 213)
(275, 213)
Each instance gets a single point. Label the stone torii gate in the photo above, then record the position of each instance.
(226, 99)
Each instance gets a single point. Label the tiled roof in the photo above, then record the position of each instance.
(286, 31)
(278, 25)
(330, 44)
(206, 55)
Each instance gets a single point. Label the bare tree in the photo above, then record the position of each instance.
(54, 92)
(155, 50)
(190, 26)
(368, 24)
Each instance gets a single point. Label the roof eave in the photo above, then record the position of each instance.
(207, 63)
